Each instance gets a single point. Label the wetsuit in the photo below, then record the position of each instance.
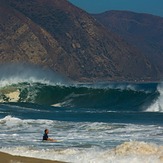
(45, 137)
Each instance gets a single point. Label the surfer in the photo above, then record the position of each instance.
(46, 138)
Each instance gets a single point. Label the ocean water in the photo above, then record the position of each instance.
(94, 123)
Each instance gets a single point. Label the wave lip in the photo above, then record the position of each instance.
(108, 97)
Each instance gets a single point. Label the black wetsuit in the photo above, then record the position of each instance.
(45, 137)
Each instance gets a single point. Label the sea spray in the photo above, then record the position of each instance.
(157, 105)
(19, 73)
(119, 97)
(134, 152)
(97, 123)
(86, 138)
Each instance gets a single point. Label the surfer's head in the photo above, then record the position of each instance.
(46, 131)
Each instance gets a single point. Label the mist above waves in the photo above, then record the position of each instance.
(18, 73)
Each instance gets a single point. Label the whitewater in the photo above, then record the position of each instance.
(95, 123)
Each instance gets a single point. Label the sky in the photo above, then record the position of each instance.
(154, 7)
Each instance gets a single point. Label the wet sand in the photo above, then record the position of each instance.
(6, 158)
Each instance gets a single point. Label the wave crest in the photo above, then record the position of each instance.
(138, 148)
(157, 105)
(134, 152)
(14, 74)
(82, 96)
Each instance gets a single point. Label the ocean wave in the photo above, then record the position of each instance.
(157, 105)
(11, 121)
(26, 73)
(134, 152)
(119, 97)
(82, 142)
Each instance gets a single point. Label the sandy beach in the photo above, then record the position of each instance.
(7, 158)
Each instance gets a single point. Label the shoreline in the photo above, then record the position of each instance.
(7, 158)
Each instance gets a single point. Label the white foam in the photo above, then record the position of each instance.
(9, 118)
(12, 119)
(134, 152)
(157, 106)
(118, 86)
(14, 74)
(19, 79)
(84, 131)
(12, 123)
(83, 142)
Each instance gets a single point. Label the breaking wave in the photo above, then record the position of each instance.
(119, 97)
(134, 152)
(157, 105)
(14, 74)
(32, 84)
(83, 142)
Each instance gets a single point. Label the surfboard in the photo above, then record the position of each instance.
(48, 141)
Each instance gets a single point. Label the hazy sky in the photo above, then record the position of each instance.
(146, 6)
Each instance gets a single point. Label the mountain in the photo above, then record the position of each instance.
(66, 39)
(144, 31)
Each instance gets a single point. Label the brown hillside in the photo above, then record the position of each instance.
(144, 31)
(56, 34)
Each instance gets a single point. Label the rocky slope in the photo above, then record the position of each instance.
(143, 31)
(57, 35)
